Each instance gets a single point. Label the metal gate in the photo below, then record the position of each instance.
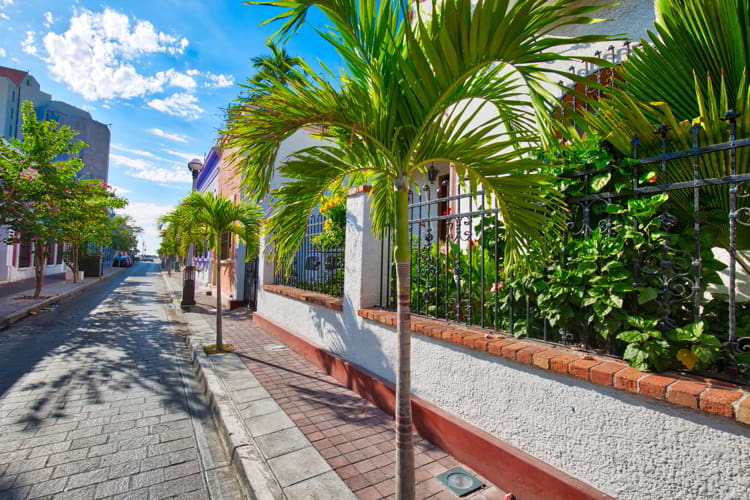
(251, 284)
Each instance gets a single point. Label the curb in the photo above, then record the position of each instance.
(9, 319)
(255, 477)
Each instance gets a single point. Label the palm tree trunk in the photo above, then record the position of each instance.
(219, 339)
(404, 438)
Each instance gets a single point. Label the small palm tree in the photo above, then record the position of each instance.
(411, 93)
(214, 216)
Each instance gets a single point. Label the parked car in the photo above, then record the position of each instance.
(122, 261)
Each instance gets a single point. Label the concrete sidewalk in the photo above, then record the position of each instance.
(14, 307)
(315, 434)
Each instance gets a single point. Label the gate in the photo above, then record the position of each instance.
(251, 284)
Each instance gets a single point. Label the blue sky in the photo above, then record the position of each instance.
(159, 72)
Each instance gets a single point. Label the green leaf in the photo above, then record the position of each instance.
(631, 336)
(600, 181)
(647, 294)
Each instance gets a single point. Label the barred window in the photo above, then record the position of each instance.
(226, 245)
(50, 252)
(24, 254)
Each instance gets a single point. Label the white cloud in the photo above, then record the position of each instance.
(138, 152)
(184, 156)
(167, 135)
(193, 72)
(3, 15)
(49, 19)
(161, 175)
(127, 161)
(160, 170)
(145, 215)
(95, 57)
(119, 191)
(27, 45)
(180, 104)
(2, 52)
(219, 81)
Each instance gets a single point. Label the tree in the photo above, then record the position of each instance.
(278, 66)
(125, 235)
(206, 214)
(411, 93)
(35, 186)
(88, 218)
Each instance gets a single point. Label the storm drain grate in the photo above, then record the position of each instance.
(460, 482)
(275, 347)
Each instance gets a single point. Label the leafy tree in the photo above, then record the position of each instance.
(35, 186)
(125, 235)
(88, 218)
(411, 93)
(207, 214)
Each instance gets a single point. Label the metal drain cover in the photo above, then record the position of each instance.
(460, 482)
(275, 347)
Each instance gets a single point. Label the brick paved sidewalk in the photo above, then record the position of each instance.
(355, 437)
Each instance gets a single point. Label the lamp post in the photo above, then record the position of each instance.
(188, 277)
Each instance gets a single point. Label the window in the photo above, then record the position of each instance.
(226, 245)
(50, 252)
(14, 96)
(59, 252)
(24, 254)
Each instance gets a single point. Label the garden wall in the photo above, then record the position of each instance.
(626, 445)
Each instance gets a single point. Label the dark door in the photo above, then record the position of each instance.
(251, 284)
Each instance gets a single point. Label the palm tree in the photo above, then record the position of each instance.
(216, 216)
(278, 65)
(411, 93)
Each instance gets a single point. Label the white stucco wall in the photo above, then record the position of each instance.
(626, 445)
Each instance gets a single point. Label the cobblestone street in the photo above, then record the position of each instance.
(98, 400)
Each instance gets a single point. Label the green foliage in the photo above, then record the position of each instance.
(401, 103)
(334, 227)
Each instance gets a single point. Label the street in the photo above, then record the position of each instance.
(98, 399)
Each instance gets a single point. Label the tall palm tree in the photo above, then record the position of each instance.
(207, 215)
(411, 93)
(278, 65)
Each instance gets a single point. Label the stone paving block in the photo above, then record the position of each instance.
(48, 487)
(32, 477)
(282, 442)
(181, 470)
(26, 465)
(249, 395)
(112, 487)
(137, 442)
(179, 444)
(133, 495)
(85, 493)
(124, 469)
(148, 478)
(176, 487)
(266, 424)
(326, 486)
(260, 407)
(124, 456)
(298, 466)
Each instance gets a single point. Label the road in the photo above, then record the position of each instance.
(98, 400)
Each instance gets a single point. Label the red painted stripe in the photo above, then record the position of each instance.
(504, 465)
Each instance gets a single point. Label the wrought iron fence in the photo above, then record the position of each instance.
(314, 269)
(673, 257)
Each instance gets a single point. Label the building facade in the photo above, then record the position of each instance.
(16, 87)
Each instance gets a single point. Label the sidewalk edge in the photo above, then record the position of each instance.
(256, 479)
(9, 319)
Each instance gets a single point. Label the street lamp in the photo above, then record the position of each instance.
(188, 277)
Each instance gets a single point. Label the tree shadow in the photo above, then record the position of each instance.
(112, 343)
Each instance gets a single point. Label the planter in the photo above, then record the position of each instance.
(69, 275)
(92, 266)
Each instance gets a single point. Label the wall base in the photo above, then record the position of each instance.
(506, 466)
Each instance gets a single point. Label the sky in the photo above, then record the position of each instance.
(158, 72)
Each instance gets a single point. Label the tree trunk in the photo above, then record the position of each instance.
(404, 438)
(74, 249)
(169, 266)
(39, 260)
(219, 338)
